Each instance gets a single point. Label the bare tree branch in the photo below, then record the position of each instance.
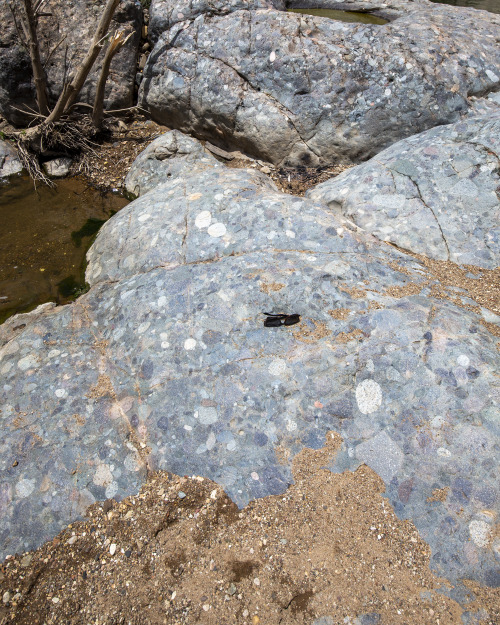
(115, 45)
(29, 28)
(71, 91)
(53, 50)
(20, 29)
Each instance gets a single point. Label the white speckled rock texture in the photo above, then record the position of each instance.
(166, 364)
(163, 14)
(304, 90)
(436, 193)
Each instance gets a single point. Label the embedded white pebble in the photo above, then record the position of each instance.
(254, 475)
(27, 362)
(61, 392)
(217, 230)
(480, 532)
(211, 440)
(24, 488)
(368, 396)
(443, 452)
(463, 360)
(290, 234)
(438, 422)
(112, 549)
(291, 425)
(165, 344)
(203, 219)
(189, 344)
(277, 367)
(103, 475)
(207, 415)
(112, 488)
(224, 296)
(162, 300)
(131, 463)
(143, 327)
(144, 217)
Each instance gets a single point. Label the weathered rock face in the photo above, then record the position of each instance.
(165, 363)
(9, 160)
(169, 156)
(72, 25)
(436, 193)
(304, 90)
(163, 14)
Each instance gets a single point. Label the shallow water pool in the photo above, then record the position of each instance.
(44, 237)
(342, 16)
(493, 6)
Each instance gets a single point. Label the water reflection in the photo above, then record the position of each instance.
(342, 16)
(486, 5)
(44, 239)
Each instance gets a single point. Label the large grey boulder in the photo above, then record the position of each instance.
(436, 193)
(65, 34)
(163, 14)
(297, 89)
(173, 154)
(9, 160)
(165, 364)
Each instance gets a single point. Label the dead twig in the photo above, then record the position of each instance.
(118, 40)
(49, 55)
(31, 165)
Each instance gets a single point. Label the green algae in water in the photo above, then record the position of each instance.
(44, 238)
(342, 16)
(70, 287)
(89, 228)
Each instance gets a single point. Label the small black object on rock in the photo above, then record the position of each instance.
(274, 320)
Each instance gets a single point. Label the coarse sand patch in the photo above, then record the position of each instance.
(181, 552)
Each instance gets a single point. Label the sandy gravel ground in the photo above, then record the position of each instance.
(180, 552)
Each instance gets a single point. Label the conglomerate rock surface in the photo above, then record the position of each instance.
(163, 14)
(436, 193)
(166, 364)
(65, 31)
(172, 154)
(297, 89)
